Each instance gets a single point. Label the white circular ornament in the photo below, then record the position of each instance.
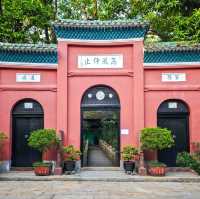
(89, 95)
(100, 95)
(110, 95)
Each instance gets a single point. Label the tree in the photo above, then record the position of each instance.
(30, 20)
(25, 21)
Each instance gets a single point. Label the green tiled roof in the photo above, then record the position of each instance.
(100, 30)
(171, 52)
(28, 53)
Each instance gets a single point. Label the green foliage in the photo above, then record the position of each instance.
(71, 153)
(30, 20)
(128, 152)
(43, 139)
(110, 132)
(3, 138)
(154, 163)
(185, 159)
(156, 138)
(25, 21)
(41, 164)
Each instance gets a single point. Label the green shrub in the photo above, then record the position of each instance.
(71, 153)
(156, 164)
(128, 152)
(156, 138)
(185, 159)
(43, 139)
(3, 137)
(41, 164)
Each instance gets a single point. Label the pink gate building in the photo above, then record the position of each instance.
(98, 71)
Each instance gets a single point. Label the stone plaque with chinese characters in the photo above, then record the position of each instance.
(173, 77)
(27, 77)
(100, 61)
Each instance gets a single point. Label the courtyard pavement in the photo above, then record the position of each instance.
(98, 190)
(101, 175)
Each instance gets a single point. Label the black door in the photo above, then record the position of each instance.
(23, 155)
(27, 116)
(177, 122)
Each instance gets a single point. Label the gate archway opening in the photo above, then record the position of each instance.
(100, 127)
(174, 115)
(27, 115)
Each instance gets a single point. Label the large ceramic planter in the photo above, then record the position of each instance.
(69, 166)
(129, 166)
(157, 171)
(42, 170)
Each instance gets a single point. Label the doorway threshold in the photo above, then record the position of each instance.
(100, 168)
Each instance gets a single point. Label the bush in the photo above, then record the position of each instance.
(156, 138)
(41, 164)
(70, 153)
(185, 159)
(156, 164)
(3, 137)
(43, 139)
(129, 152)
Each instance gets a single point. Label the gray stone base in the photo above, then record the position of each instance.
(5, 166)
(78, 166)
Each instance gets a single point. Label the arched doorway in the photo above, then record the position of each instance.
(27, 115)
(174, 115)
(100, 127)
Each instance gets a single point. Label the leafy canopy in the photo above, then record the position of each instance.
(156, 138)
(43, 139)
(30, 20)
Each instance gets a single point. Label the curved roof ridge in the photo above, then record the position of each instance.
(100, 23)
(24, 47)
(172, 47)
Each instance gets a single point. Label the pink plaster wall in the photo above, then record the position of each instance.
(12, 92)
(127, 82)
(157, 91)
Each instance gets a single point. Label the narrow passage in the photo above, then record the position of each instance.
(97, 158)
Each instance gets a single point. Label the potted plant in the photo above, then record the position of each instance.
(42, 140)
(155, 139)
(156, 168)
(70, 156)
(3, 138)
(128, 154)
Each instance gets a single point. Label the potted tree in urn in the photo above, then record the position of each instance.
(155, 139)
(70, 156)
(129, 155)
(3, 138)
(42, 140)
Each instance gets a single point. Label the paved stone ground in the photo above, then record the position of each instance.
(101, 175)
(98, 190)
(97, 158)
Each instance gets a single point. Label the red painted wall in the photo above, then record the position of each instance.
(140, 90)
(157, 91)
(12, 92)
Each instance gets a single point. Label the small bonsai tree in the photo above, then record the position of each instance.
(3, 138)
(156, 139)
(71, 153)
(129, 152)
(43, 139)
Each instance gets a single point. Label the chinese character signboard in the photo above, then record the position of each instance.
(100, 61)
(173, 77)
(27, 77)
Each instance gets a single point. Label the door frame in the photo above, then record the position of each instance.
(117, 109)
(19, 114)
